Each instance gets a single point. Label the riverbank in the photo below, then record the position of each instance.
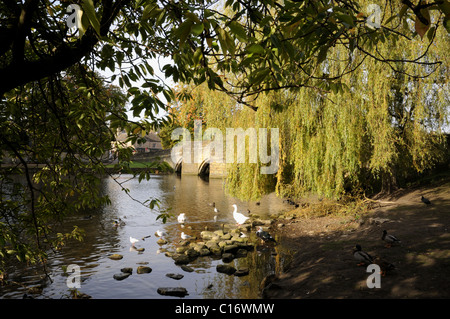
(323, 266)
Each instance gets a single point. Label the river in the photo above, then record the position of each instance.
(186, 194)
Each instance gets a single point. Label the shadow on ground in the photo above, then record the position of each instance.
(323, 266)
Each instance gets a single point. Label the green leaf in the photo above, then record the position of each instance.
(430, 33)
(183, 31)
(255, 48)
(345, 18)
(222, 39)
(403, 11)
(197, 28)
(322, 54)
(260, 76)
(198, 54)
(88, 7)
(238, 30)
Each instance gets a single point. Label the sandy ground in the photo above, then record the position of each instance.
(323, 266)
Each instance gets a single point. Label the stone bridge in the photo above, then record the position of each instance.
(186, 166)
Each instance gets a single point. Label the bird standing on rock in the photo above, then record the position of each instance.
(160, 233)
(265, 236)
(238, 217)
(181, 218)
(133, 241)
(185, 236)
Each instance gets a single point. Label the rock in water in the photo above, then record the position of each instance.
(115, 257)
(175, 276)
(172, 291)
(121, 276)
(187, 268)
(227, 257)
(226, 269)
(127, 270)
(241, 272)
(143, 270)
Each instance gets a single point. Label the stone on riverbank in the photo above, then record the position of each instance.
(181, 259)
(227, 257)
(242, 272)
(241, 252)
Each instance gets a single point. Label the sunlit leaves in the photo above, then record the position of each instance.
(89, 10)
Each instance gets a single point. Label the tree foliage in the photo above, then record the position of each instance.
(57, 111)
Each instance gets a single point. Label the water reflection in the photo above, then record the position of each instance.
(187, 194)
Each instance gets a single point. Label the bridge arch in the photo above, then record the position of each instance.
(178, 166)
(204, 167)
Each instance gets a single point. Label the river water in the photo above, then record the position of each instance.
(186, 194)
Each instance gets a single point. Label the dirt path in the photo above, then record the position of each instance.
(323, 266)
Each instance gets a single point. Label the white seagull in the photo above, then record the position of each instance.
(133, 241)
(181, 218)
(185, 236)
(238, 217)
(160, 233)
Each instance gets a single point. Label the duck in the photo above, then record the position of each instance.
(426, 200)
(216, 210)
(133, 240)
(389, 239)
(264, 236)
(385, 266)
(361, 256)
(238, 217)
(118, 223)
(181, 218)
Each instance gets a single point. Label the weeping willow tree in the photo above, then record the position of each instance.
(369, 131)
